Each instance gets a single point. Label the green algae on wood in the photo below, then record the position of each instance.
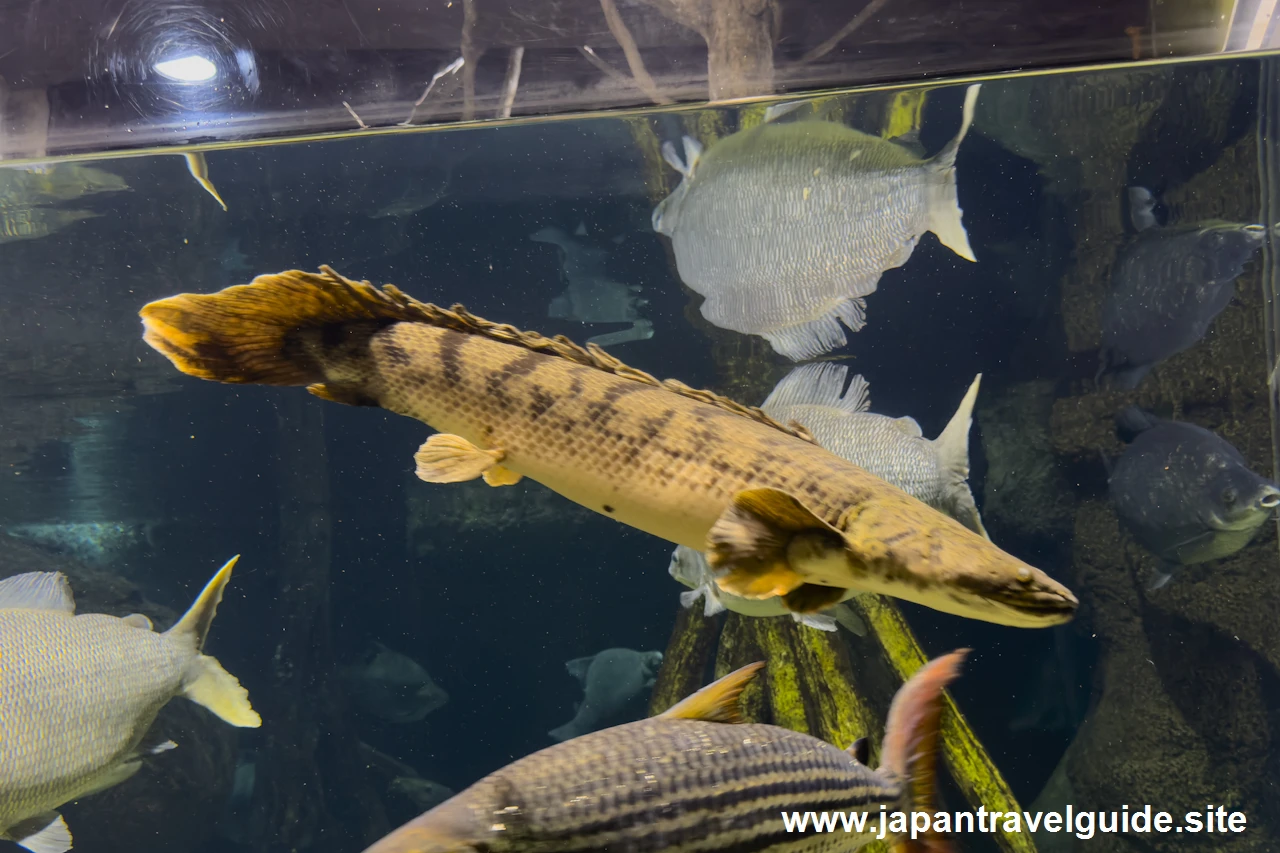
(810, 685)
(969, 763)
(693, 641)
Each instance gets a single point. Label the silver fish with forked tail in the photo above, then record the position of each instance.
(786, 227)
(894, 449)
(78, 693)
(691, 780)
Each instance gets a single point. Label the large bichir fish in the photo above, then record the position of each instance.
(690, 781)
(777, 514)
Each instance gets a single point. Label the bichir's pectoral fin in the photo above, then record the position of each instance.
(752, 544)
(446, 458)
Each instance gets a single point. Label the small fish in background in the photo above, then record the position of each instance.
(894, 449)
(591, 295)
(78, 694)
(424, 186)
(234, 262)
(785, 227)
(26, 186)
(1167, 288)
(95, 543)
(698, 777)
(690, 568)
(32, 223)
(423, 793)
(1185, 493)
(392, 687)
(611, 680)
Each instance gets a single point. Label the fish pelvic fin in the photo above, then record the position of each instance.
(719, 701)
(446, 458)
(44, 833)
(750, 542)
(945, 214)
(911, 739)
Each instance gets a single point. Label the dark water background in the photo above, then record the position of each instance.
(494, 616)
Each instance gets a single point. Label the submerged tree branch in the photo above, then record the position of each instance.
(512, 82)
(628, 44)
(858, 20)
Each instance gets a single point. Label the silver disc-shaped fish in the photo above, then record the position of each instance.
(785, 227)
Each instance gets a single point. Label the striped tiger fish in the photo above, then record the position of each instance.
(776, 514)
(697, 778)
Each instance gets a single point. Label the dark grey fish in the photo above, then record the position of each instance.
(1185, 493)
(610, 680)
(392, 686)
(1167, 288)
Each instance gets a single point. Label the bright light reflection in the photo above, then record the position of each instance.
(188, 69)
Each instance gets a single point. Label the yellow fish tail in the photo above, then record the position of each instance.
(250, 333)
(207, 683)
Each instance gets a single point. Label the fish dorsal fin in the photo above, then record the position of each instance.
(581, 230)
(196, 620)
(137, 620)
(860, 749)
(773, 112)
(578, 667)
(201, 334)
(37, 591)
(820, 384)
(718, 701)
(907, 426)
(953, 441)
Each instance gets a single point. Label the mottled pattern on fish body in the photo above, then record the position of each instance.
(656, 456)
(669, 785)
(77, 694)
(657, 461)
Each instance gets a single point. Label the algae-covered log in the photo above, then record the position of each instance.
(969, 762)
(809, 685)
(693, 642)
